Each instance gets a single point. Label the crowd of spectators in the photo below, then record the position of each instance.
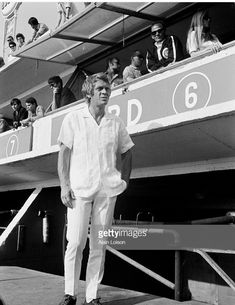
(21, 116)
(166, 49)
(64, 10)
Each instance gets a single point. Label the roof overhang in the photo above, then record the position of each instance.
(98, 28)
(189, 147)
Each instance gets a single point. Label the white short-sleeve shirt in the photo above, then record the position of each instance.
(94, 150)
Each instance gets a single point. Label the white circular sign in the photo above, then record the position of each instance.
(12, 146)
(192, 92)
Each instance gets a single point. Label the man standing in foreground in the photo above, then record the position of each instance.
(90, 140)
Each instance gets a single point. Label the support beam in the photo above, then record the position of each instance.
(84, 39)
(177, 275)
(216, 267)
(19, 215)
(128, 12)
(141, 268)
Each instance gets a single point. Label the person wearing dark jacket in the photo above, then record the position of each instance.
(61, 95)
(19, 112)
(166, 49)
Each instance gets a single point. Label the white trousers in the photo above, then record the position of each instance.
(100, 210)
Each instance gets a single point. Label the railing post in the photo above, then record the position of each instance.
(177, 275)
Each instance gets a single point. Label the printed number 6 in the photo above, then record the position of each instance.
(190, 97)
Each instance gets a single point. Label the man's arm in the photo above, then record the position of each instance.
(42, 30)
(67, 194)
(56, 99)
(31, 39)
(126, 165)
(68, 9)
(59, 18)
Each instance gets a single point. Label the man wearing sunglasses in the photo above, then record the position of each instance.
(166, 49)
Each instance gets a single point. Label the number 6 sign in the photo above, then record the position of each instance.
(193, 91)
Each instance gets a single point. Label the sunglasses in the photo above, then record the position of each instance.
(52, 85)
(157, 32)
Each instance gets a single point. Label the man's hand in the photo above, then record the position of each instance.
(25, 122)
(56, 90)
(67, 196)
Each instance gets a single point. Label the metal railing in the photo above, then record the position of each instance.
(228, 218)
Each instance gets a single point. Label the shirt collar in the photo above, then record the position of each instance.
(86, 114)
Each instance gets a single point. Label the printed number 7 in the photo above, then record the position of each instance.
(12, 146)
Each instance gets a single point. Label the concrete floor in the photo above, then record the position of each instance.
(20, 286)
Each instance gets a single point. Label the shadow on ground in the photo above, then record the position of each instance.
(131, 301)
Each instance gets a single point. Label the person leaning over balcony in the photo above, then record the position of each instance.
(133, 70)
(113, 71)
(166, 49)
(19, 112)
(39, 28)
(35, 111)
(61, 95)
(64, 11)
(20, 40)
(200, 37)
(90, 140)
(4, 126)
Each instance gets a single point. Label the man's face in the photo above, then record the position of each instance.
(56, 87)
(101, 93)
(9, 39)
(158, 32)
(34, 26)
(20, 40)
(30, 107)
(12, 47)
(15, 106)
(137, 61)
(114, 66)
